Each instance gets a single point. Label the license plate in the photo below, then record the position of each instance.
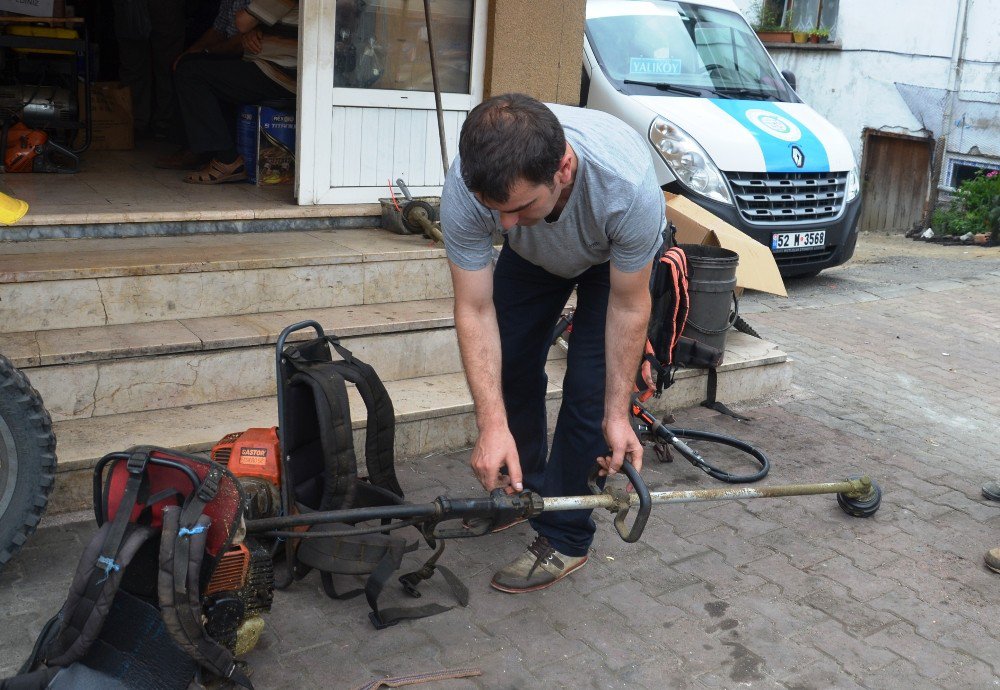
(797, 240)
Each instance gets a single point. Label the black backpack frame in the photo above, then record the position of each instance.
(320, 473)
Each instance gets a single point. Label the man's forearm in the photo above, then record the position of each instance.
(625, 339)
(479, 343)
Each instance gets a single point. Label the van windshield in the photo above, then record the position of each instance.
(668, 48)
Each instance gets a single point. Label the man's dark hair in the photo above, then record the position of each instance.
(509, 138)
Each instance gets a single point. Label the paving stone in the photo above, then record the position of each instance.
(847, 650)
(921, 652)
(793, 582)
(976, 641)
(857, 619)
(752, 593)
(929, 621)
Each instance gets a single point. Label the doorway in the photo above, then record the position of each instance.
(896, 175)
(367, 117)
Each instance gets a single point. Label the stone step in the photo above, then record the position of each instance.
(58, 284)
(110, 370)
(433, 414)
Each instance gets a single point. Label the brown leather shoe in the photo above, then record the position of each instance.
(182, 160)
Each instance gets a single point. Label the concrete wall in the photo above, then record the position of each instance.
(535, 47)
(898, 71)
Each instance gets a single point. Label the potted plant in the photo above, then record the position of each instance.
(800, 36)
(820, 35)
(767, 23)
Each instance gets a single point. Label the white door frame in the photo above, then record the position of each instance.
(317, 98)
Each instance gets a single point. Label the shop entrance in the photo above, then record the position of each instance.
(45, 65)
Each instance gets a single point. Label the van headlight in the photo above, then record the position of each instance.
(688, 161)
(853, 184)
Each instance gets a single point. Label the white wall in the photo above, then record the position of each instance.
(909, 43)
(981, 70)
(855, 91)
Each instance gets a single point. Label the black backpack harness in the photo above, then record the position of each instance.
(320, 473)
(148, 494)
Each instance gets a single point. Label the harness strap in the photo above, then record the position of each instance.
(411, 580)
(101, 568)
(380, 432)
(329, 396)
(82, 615)
(711, 403)
(671, 307)
(331, 590)
(382, 619)
(327, 378)
(181, 556)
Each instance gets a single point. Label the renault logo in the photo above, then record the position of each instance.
(798, 157)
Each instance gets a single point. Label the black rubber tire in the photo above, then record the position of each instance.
(27, 459)
(861, 507)
(414, 228)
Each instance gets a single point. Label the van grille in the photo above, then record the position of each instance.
(788, 197)
(803, 258)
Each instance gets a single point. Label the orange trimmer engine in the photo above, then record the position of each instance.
(253, 456)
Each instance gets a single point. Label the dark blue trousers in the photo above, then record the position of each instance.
(528, 301)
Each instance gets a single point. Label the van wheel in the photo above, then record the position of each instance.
(27, 459)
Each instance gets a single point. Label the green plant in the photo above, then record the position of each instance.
(821, 33)
(974, 208)
(766, 17)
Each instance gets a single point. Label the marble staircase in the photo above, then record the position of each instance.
(170, 340)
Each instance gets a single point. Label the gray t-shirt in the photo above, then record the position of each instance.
(615, 211)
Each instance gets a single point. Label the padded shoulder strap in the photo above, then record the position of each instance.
(333, 413)
(86, 608)
(182, 548)
(380, 433)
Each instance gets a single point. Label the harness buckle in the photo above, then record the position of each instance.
(209, 485)
(136, 463)
(378, 622)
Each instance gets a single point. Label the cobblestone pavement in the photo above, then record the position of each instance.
(895, 375)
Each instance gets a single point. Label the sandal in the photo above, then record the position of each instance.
(217, 173)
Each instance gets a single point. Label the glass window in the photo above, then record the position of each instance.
(808, 15)
(382, 44)
(646, 47)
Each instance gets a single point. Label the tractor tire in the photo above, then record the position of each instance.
(27, 459)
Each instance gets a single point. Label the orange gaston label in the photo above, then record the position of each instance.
(253, 456)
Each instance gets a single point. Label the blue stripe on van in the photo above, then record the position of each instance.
(754, 116)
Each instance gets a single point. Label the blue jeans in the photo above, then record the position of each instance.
(528, 301)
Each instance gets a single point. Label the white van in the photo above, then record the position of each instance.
(724, 126)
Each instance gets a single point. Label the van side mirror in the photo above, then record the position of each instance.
(789, 77)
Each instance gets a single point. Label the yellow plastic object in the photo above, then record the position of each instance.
(43, 32)
(11, 209)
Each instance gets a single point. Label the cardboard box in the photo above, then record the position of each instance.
(111, 115)
(32, 8)
(265, 137)
(757, 269)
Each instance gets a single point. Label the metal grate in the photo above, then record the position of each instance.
(788, 197)
(803, 258)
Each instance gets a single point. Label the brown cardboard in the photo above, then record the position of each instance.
(111, 113)
(756, 269)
